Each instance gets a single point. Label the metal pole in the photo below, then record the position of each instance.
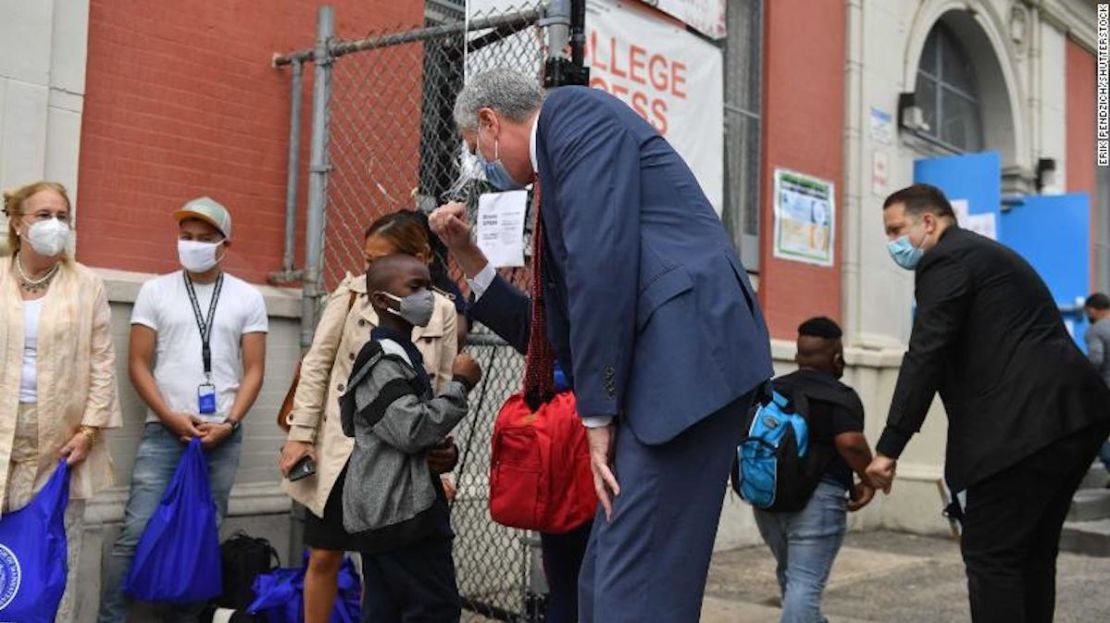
(558, 28)
(318, 173)
(288, 258)
(565, 23)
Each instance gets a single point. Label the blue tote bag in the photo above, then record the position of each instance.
(279, 595)
(33, 554)
(178, 557)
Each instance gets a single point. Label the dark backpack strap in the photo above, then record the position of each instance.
(390, 393)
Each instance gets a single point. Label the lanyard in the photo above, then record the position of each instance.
(205, 326)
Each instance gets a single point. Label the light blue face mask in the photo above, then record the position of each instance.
(495, 171)
(904, 253)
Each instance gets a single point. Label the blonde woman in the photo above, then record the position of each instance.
(57, 377)
(315, 430)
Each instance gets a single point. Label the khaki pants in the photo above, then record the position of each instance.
(22, 488)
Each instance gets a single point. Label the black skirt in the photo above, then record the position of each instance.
(327, 532)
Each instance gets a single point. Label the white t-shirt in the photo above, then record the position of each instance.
(163, 305)
(29, 382)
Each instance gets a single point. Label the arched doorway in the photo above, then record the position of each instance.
(961, 68)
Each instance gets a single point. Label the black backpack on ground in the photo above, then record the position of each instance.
(242, 559)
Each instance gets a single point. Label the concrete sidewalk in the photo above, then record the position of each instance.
(888, 576)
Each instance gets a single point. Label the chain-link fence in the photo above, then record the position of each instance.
(392, 142)
(389, 142)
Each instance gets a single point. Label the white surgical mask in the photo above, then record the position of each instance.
(48, 238)
(198, 257)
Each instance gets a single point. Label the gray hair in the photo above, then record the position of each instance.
(511, 93)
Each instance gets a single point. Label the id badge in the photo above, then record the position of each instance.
(206, 399)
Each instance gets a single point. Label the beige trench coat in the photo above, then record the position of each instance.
(324, 372)
(76, 374)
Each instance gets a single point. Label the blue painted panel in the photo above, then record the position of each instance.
(1054, 234)
(974, 177)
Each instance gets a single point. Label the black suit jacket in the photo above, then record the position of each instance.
(989, 336)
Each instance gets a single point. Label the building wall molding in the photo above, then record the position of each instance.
(1074, 18)
(123, 287)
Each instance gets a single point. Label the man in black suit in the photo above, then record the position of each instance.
(1027, 413)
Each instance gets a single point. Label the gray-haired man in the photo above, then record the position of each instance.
(638, 292)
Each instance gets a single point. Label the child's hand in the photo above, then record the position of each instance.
(443, 457)
(467, 370)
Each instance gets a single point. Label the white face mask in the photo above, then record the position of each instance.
(48, 238)
(198, 257)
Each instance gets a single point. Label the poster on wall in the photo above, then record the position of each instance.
(805, 218)
(704, 16)
(672, 78)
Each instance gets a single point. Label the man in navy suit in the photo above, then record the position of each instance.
(649, 309)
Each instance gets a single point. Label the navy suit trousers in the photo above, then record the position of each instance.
(650, 562)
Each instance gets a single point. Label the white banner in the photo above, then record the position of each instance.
(705, 16)
(670, 77)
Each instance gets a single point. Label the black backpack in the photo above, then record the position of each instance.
(242, 559)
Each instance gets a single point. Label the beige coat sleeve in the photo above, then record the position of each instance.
(102, 409)
(448, 347)
(316, 367)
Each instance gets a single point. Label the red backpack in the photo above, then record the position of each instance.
(540, 476)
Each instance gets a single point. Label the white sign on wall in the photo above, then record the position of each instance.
(705, 16)
(982, 224)
(805, 218)
(670, 77)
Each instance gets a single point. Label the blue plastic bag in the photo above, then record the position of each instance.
(33, 554)
(178, 557)
(279, 595)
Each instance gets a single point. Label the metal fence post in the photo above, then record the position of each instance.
(383, 137)
(318, 173)
(288, 263)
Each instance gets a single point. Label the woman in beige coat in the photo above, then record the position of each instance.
(315, 430)
(57, 378)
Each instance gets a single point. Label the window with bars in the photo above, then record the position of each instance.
(743, 127)
(947, 93)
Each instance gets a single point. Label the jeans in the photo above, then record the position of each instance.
(805, 545)
(1104, 455)
(155, 464)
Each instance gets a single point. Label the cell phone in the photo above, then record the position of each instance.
(303, 469)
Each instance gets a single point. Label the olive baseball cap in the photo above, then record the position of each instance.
(208, 210)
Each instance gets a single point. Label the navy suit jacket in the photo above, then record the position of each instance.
(648, 307)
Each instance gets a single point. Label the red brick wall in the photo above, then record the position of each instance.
(181, 101)
(1080, 120)
(803, 131)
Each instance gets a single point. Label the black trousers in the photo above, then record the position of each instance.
(562, 559)
(414, 584)
(1012, 525)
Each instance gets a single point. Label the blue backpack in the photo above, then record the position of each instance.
(776, 468)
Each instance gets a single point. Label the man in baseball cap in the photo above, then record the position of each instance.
(200, 335)
(208, 210)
